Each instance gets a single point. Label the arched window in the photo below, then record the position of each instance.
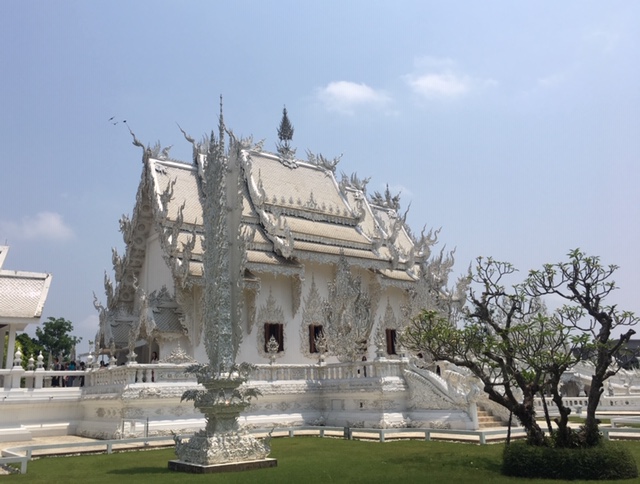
(391, 341)
(315, 332)
(277, 331)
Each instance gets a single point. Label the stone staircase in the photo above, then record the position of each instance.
(487, 420)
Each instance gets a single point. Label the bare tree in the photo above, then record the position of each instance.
(509, 341)
(584, 283)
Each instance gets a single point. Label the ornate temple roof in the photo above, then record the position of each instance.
(292, 211)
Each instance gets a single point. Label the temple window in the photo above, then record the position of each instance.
(315, 332)
(391, 341)
(277, 331)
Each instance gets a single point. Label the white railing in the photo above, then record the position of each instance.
(333, 371)
(17, 377)
(613, 403)
(113, 377)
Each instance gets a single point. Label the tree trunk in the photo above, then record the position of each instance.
(590, 431)
(527, 415)
(564, 436)
(535, 435)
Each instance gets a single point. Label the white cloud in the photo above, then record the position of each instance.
(439, 85)
(45, 225)
(439, 78)
(345, 97)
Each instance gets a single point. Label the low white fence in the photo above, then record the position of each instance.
(614, 403)
(22, 455)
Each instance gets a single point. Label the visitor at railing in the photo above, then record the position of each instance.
(154, 360)
(82, 369)
(70, 378)
(55, 381)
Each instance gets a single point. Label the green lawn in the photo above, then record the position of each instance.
(300, 459)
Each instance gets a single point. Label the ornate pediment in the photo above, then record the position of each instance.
(270, 312)
(313, 314)
(348, 314)
(162, 298)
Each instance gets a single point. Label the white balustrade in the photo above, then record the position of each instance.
(114, 377)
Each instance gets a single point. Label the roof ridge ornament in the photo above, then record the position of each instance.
(386, 200)
(354, 182)
(320, 161)
(146, 151)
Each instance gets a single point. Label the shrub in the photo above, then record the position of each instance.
(605, 461)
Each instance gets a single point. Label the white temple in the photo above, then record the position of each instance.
(326, 274)
(321, 259)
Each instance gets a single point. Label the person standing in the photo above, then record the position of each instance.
(154, 360)
(72, 367)
(55, 380)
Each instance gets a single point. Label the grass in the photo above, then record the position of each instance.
(605, 421)
(301, 459)
(581, 420)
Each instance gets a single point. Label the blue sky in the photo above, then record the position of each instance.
(514, 126)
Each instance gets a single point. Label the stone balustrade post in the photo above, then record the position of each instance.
(17, 359)
(17, 371)
(38, 378)
(473, 413)
(16, 376)
(131, 372)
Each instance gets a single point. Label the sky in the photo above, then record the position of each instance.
(513, 126)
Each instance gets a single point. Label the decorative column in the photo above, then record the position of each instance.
(39, 373)
(222, 445)
(3, 334)
(11, 346)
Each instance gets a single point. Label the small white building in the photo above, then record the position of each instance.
(22, 297)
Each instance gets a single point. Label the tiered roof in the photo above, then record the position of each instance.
(293, 210)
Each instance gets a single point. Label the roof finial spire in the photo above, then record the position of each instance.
(221, 128)
(285, 134)
(285, 131)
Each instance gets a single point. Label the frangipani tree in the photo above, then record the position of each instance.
(506, 337)
(584, 283)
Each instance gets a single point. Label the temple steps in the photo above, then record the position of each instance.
(487, 420)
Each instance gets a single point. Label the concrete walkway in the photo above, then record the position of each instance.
(69, 439)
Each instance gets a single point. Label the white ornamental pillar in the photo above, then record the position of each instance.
(17, 371)
(39, 373)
